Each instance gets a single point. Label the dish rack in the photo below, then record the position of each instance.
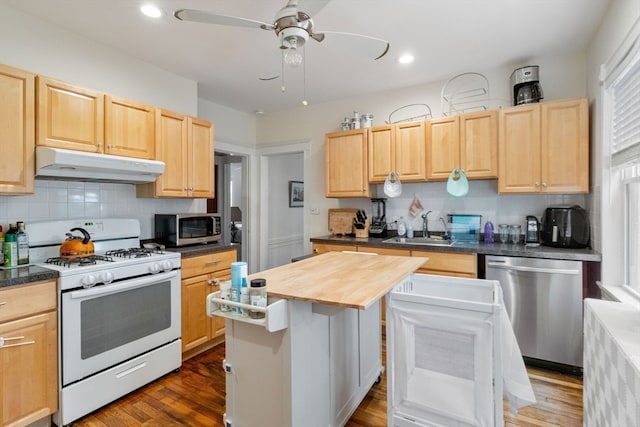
(275, 317)
(411, 113)
(465, 93)
(444, 354)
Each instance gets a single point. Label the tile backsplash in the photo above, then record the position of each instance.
(72, 199)
(482, 199)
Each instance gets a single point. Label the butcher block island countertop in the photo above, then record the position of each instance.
(343, 279)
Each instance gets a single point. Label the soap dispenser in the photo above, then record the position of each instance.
(402, 228)
(488, 232)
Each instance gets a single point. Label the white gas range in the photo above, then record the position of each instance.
(119, 312)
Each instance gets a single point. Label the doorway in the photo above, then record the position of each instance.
(230, 199)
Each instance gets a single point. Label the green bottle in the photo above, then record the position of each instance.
(10, 247)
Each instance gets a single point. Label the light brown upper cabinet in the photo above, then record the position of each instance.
(185, 145)
(129, 128)
(17, 130)
(398, 148)
(81, 119)
(468, 141)
(69, 116)
(346, 164)
(544, 148)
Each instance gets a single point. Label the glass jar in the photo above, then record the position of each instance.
(515, 233)
(503, 232)
(258, 297)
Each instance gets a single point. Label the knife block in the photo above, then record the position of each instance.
(362, 232)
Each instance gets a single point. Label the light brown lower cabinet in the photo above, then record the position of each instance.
(456, 264)
(29, 356)
(320, 248)
(202, 275)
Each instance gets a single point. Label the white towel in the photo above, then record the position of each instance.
(517, 386)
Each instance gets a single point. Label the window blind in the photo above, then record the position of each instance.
(625, 134)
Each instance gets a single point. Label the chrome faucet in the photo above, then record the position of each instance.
(425, 224)
(444, 224)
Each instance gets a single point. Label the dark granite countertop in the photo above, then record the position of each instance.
(27, 274)
(506, 249)
(203, 249)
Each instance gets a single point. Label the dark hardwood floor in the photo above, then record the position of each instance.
(194, 397)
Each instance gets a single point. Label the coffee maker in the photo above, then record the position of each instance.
(378, 227)
(526, 85)
(532, 232)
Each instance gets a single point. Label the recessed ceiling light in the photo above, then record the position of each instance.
(407, 58)
(151, 11)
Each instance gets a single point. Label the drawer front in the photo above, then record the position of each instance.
(210, 263)
(320, 248)
(21, 301)
(448, 263)
(384, 251)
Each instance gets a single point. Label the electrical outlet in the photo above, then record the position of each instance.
(315, 211)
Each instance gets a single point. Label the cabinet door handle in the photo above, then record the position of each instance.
(215, 261)
(213, 282)
(544, 184)
(2, 303)
(537, 184)
(2, 342)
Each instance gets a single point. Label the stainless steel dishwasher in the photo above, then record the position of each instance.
(543, 298)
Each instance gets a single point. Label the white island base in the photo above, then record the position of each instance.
(315, 372)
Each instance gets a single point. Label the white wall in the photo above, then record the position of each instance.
(561, 77)
(608, 223)
(39, 47)
(285, 229)
(230, 126)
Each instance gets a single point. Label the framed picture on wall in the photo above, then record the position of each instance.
(296, 194)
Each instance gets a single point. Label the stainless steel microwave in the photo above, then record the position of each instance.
(188, 228)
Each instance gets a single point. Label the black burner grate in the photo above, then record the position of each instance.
(81, 261)
(133, 252)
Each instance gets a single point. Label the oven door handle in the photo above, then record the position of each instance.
(123, 286)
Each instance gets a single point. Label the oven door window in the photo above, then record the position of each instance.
(114, 320)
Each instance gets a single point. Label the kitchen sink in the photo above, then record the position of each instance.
(423, 241)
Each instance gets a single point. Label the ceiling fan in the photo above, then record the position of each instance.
(294, 28)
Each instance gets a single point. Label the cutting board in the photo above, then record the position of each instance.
(341, 220)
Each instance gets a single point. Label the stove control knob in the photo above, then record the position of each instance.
(106, 277)
(88, 281)
(154, 268)
(167, 265)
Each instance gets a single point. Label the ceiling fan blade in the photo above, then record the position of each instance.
(370, 47)
(312, 7)
(270, 64)
(193, 15)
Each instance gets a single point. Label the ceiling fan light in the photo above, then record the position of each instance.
(292, 55)
(151, 11)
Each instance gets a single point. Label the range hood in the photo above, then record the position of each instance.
(57, 163)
